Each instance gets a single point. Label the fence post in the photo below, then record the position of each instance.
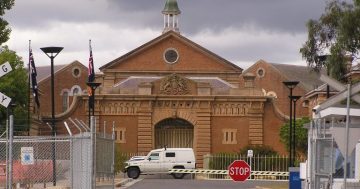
(104, 127)
(113, 157)
(206, 161)
(71, 162)
(93, 152)
(7, 152)
(11, 136)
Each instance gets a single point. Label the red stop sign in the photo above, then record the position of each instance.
(239, 170)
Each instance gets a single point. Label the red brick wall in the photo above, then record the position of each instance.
(189, 59)
(272, 125)
(63, 79)
(128, 122)
(220, 123)
(272, 81)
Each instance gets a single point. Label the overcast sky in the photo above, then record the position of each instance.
(241, 31)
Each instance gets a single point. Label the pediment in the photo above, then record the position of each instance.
(151, 57)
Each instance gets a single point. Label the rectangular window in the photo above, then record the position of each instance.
(170, 154)
(229, 136)
(65, 101)
(120, 135)
(154, 156)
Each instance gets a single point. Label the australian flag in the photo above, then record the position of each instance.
(33, 76)
(91, 77)
(91, 74)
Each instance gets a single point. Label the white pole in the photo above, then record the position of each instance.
(11, 136)
(93, 152)
(7, 150)
(164, 21)
(113, 158)
(347, 132)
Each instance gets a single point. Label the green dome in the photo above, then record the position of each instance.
(171, 7)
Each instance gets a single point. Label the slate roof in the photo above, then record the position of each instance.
(309, 79)
(45, 71)
(218, 85)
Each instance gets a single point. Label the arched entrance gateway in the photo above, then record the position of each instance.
(174, 133)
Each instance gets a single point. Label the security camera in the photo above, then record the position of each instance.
(315, 108)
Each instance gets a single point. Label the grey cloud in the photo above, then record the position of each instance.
(275, 15)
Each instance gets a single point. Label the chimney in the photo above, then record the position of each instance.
(249, 80)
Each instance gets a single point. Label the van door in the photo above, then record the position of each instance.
(153, 163)
(169, 161)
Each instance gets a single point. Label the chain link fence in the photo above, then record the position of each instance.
(64, 161)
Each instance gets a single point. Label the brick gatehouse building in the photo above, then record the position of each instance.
(171, 91)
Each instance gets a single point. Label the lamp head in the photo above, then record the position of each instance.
(93, 85)
(49, 51)
(295, 98)
(290, 84)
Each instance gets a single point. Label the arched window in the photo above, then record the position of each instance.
(65, 101)
(76, 90)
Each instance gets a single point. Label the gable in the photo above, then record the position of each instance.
(191, 57)
(60, 70)
(277, 73)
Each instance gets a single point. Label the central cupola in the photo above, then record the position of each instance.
(171, 14)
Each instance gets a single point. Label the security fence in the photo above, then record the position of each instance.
(63, 161)
(271, 167)
(263, 167)
(39, 162)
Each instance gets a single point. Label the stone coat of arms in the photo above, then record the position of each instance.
(174, 85)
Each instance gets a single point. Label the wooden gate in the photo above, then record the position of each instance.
(174, 133)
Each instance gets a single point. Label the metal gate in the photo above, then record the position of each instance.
(174, 133)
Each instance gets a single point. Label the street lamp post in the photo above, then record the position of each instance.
(93, 86)
(291, 85)
(52, 52)
(294, 99)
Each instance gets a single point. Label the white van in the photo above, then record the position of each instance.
(161, 161)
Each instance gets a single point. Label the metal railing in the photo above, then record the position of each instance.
(263, 167)
(266, 167)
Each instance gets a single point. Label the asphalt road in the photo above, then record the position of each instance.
(206, 184)
(165, 181)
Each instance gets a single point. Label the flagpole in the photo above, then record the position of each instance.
(29, 91)
(89, 104)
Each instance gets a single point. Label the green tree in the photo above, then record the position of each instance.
(14, 85)
(4, 29)
(337, 33)
(301, 135)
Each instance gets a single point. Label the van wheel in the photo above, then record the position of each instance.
(133, 172)
(178, 175)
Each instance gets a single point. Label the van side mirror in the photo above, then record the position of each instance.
(149, 158)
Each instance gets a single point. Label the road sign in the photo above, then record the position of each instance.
(5, 68)
(27, 155)
(250, 153)
(239, 170)
(4, 100)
